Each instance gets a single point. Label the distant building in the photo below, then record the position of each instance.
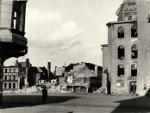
(16, 77)
(24, 75)
(11, 78)
(80, 77)
(42, 76)
(59, 74)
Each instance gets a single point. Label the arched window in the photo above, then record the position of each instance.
(9, 77)
(134, 70)
(134, 51)
(121, 52)
(120, 31)
(134, 32)
(120, 70)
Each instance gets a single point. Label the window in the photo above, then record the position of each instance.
(14, 77)
(10, 70)
(14, 70)
(5, 77)
(120, 83)
(14, 85)
(9, 85)
(134, 51)
(130, 17)
(134, 70)
(120, 32)
(5, 70)
(15, 14)
(121, 52)
(134, 31)
(5, 85)
(14, 24)
(120, 70)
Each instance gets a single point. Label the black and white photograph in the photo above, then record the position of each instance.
(74, 56)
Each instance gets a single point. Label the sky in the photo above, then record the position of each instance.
(67, 31)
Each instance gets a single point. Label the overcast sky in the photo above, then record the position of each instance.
(67, 31)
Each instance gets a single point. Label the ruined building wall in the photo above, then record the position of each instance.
(143, 82)
(120, 84)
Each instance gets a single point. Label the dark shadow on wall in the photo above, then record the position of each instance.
(32, 100)
(138, 104)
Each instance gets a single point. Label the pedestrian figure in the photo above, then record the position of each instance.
(44, 95)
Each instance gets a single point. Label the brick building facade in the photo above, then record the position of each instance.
(126, 57)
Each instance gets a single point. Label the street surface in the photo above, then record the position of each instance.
(75, 103)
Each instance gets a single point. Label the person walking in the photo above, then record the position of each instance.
(44, 95)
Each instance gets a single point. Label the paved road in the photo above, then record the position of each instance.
(76, 103)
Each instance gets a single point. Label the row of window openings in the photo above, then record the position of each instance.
(121, 52)
(10, 85)
(10, 78)
(133, 70)
(9, 70)
(121, 33)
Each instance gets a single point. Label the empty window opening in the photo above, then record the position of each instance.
(10, 70)
(15, 14)
(5, 77)
(134, 31)
(134, 70)
(14, 77)
(120, 32)
(133, 86)
(134, 51)
(5, 70)
(9, 85)
(14, 85)
(121, 52)
(14, 24)
(9, 77)
(120, 70)
(5, 85)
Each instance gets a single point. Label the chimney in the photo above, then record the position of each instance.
(27, 63)
(17, 63)
(96, 70)
(49, 69)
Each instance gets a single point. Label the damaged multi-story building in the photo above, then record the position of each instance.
(23, 75)
(126, 57)
(80, 77)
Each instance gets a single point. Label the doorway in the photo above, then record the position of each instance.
(132, 87)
